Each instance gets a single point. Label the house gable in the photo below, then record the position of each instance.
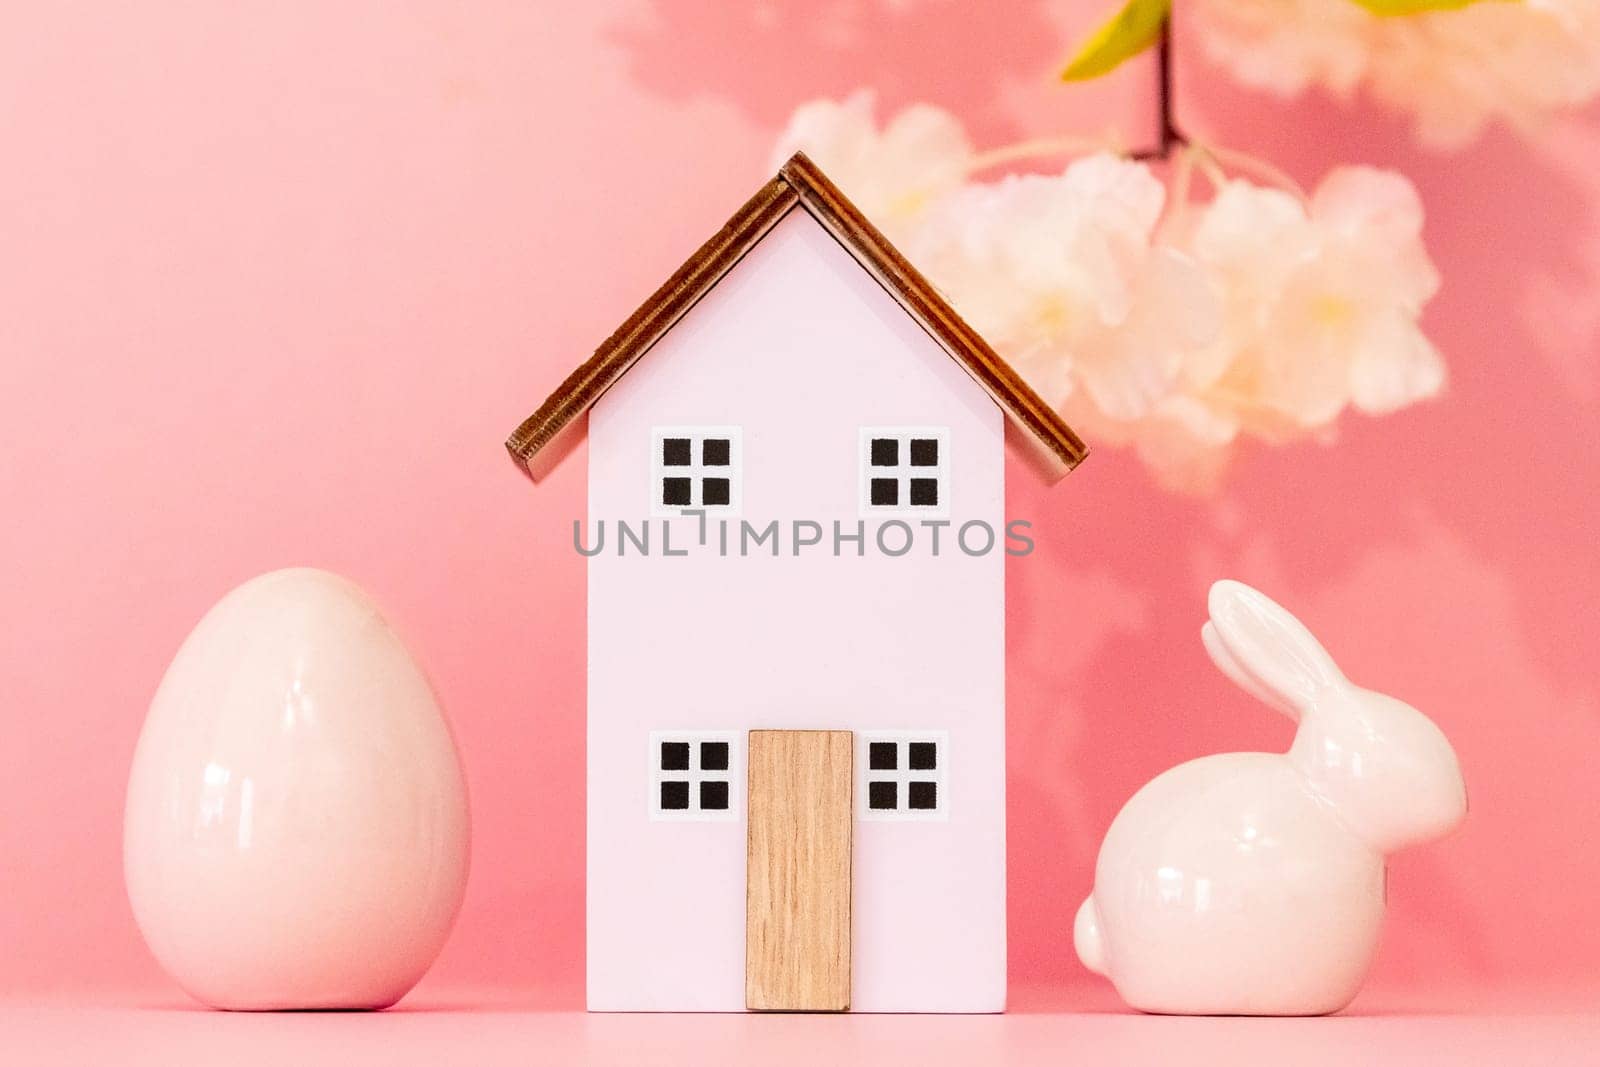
(796, 355)
(539, 442)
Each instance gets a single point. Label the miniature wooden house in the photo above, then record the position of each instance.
(796, 605)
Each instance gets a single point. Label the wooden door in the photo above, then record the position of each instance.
(797, 871)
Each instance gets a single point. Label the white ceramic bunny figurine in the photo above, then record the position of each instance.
(1252, 883)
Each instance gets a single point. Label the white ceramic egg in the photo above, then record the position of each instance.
(296, 830)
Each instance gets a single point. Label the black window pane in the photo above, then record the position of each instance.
(885, 452)
(714, 491)
(674, 796)
(881, 755)
(922, 796)
(714, 452)
(885, 491)
(713, 796)
(925, 492)
(674, 755)
(675, 452)
(882, 795)
(924, 452)
(923, 755)
(713, 755)
(675, 492)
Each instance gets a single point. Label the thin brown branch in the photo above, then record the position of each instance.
(1168, 136)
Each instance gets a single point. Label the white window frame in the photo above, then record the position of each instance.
(903, 472)
(696, 470)
(695, 775)
(902, 775)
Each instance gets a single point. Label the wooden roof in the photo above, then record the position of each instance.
(537, 443)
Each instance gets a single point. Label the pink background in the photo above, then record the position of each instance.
(276, 280)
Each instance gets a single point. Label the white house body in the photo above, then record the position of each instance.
(796, 390)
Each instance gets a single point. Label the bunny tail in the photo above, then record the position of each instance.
(1086, 937)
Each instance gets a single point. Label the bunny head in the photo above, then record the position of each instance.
(1383, 766)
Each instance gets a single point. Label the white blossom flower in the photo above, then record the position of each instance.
(1265, 317)
(1454, 70)
(1059, 273)
(1516, 62)
(1321, 301)
(1287, 46)
(893, 175)
(1175, 332)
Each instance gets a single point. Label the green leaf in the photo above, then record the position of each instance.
(1127, 33)
(1413, 7)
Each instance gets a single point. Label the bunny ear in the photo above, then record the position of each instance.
(1238, 675)
(1265, 649)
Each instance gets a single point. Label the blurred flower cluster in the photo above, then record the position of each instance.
(1454, 70)
(1154, 319)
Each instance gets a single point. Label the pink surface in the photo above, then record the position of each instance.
(135, 1032)
(276, 284)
